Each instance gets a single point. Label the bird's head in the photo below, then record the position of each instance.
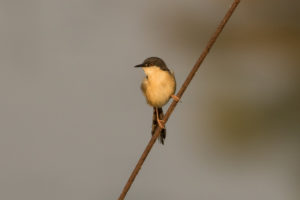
(153, 64)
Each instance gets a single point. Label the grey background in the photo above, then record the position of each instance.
(73, 121)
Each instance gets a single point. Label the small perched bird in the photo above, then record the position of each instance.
(158, 86)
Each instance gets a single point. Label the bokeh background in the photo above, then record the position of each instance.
(73, 121)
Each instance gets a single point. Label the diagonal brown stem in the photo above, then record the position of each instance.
(179, 95)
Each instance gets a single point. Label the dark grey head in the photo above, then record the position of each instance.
(154, 61)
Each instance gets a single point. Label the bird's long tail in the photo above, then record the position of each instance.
(163, 131)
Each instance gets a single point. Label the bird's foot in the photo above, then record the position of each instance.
(176, 98)
(162, 126)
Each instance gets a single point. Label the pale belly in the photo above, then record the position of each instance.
(158, 94)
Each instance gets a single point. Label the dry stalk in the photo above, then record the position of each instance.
(179, 94)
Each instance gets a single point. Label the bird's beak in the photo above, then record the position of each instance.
(140, 65)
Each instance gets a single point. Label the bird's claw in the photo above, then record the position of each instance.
(160, 123)
(176, 98)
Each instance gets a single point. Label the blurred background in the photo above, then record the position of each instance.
(73, 121)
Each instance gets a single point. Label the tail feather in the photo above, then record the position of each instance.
(163, 131)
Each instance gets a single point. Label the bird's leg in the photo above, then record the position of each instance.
(176, 98)
(158, 120)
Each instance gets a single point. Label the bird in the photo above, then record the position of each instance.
(158, 86)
